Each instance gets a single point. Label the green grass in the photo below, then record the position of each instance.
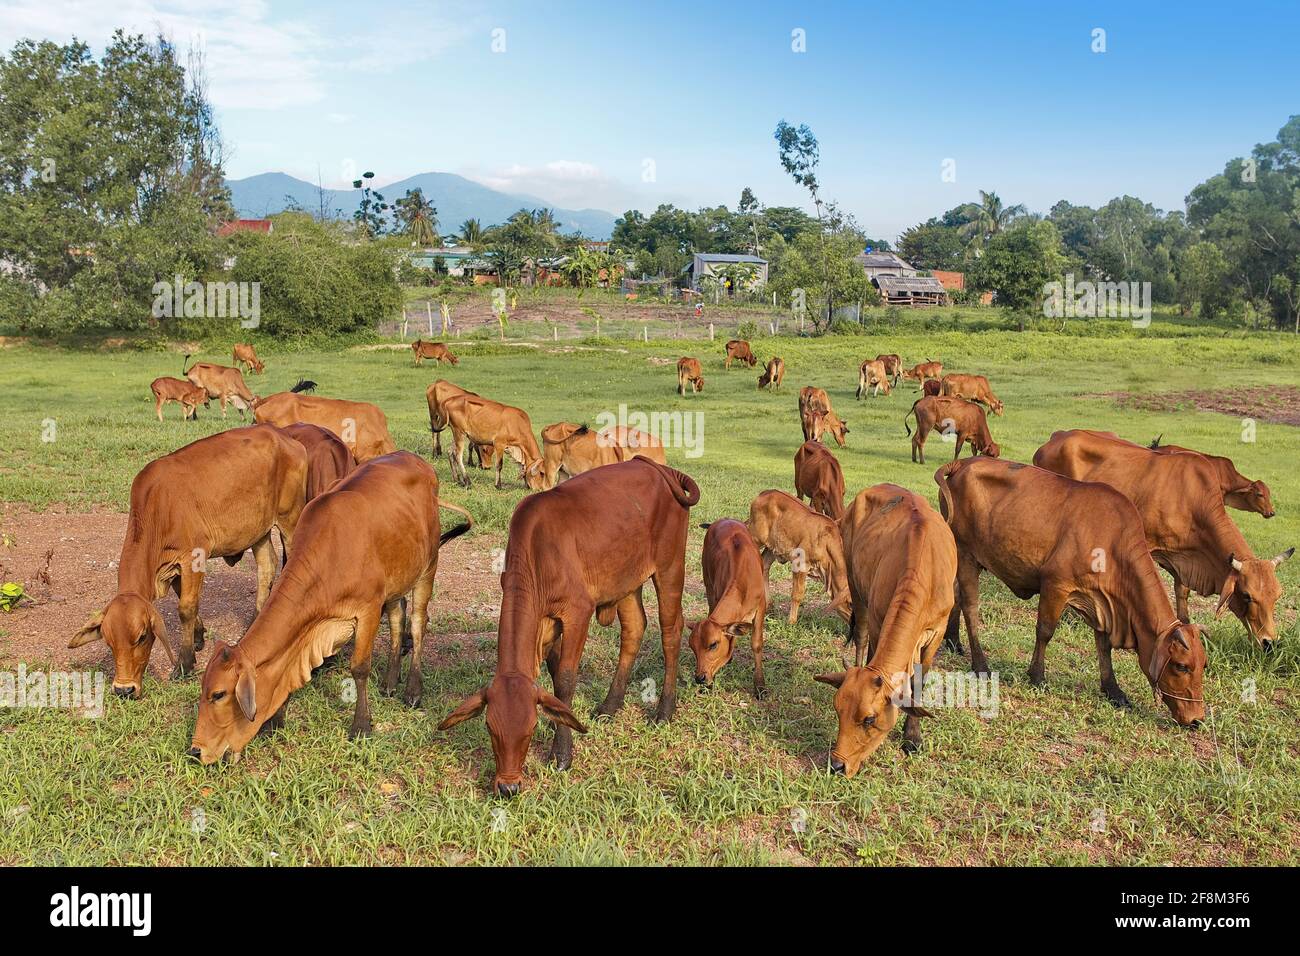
(726, 781)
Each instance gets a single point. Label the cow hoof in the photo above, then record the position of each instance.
(911, 746)
(606, 712)
(1119, 699)
(408, 644)
(356, 732)
(760, 693)
(561, 761)
(413, 700)
(387, 691)
(180, 673)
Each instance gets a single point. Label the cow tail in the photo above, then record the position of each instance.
(185, 363)
(460, 529)
(683, 486)
(911, 411)
(945, 493)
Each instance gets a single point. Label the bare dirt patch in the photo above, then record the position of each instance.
(1279, 405)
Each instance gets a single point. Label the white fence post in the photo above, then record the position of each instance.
(428, 308)
(710, 331)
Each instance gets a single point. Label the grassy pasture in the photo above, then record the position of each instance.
(1058, 776)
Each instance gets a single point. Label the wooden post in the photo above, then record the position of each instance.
(404, 320)
(428, 308)
(710, 331)
(645, 334)
(555, 332)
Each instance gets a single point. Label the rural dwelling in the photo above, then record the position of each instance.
(911, 290)
(245, 225)
(876, 264)
(720, 265)
(956, 282)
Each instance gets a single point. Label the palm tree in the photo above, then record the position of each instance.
(991, 217)
(471, 232)
(418, 216)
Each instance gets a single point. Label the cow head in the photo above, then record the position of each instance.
(129, 626)
(535, 475)
(1175, 669)
(1251, 591)
(990, 448)
(713, 644)
(1254, 497)
(866, 703)
(511, 702)
(996, 405)
(829, 422)
(228, 713)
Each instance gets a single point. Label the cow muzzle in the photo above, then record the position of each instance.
(127, 691)
(507, 790)
(837, 765)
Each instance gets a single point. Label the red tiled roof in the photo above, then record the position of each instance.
(244, 225)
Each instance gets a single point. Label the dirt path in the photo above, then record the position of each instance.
(1279, 405)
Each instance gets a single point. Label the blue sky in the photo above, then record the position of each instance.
(586, 96)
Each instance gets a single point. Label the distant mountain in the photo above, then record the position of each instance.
(456, 198)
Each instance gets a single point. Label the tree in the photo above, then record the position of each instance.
(1017, 264)
(819, 272)
(932, 245)
(471, 232)
(990, 218)
(1203, 280)
(371, 214)
(417, 217)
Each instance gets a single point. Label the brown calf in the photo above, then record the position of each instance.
(952, 416)
(221, 382)
(924, 371)
(360, 548)
(893, 366)
(689, 373)
(1180, 498)
(817, 418)
(585, 547)
(185, 393)
(574, 449)
(931, 386)
(902, 563)
(818, 477)
(1076, 545)
(873, 374)
(973, 388)
(214, 498)
(506, 429)
(739, 350)
(245, 356)
(437, 393)
(773, 375)
(432, 350)
(737, 592)
(363, 427)
(1239, 492)
(787, 530)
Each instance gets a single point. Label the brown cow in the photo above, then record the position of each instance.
(1076, 545)
(818, 477)
(432, 350)
(220, 382)
(437, 393)
(974, 388)
(931, 386)
(1239, 492)
(575, 449)
(246, 356)
(689, 373)
(737, 592)
(506, 429)
(873, 373)
(773, 375)
(214, 498)
(739, 350)
(952, 416)
(363, 427)
(785, 529)
(573, 552)
(1180, 499)
(360, 548)
(185, 393)
(924, 371)
(817, 418)
(902, 563)
(893, 366)
(328, 459)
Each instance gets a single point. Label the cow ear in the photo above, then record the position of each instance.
(741, 629)
(1229, 585)
(471, 706)
(88, 632)
(246, 692)
(159, 630)
(835, 680)
(916, 711)
(558, 711)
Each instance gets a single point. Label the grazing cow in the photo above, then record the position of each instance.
(873, 374)
(1180, 498)
(737, 592)
(220, 382)
(773, 375)
(818, 477)
(363, 427)
(952, 416)
(360, 548)
(689, 373)
(924, 371)
(245, 356)
(328, 459)
(505, 429)
(785, 529)
(902, 563)
(739, 350)
(974, 388)
(437, 393)
(586, 546)
(1239, 492)
(432, 350)
(931, 386)
(573, 449)
(188, 395)
(893, 366)
(817, 418)
(214, 498)
(1076, 545)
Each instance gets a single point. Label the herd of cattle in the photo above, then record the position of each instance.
(1084, 527)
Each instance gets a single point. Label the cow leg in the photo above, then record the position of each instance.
(393, 673)
(756, 645)
(968, 588)
(562, 662)
(223, 406)
(1051, 604)
(273, 723)
(631, 624)
(961, 440)
(668, 591)
(1109, 686)
(952, 635)
(437, 442)
(363, 643)
(456, 457)
(858, 632)
(799, 583)
(157, 407)
(191, 587)
(420, 611)
(499, 454)
(264, 556)
(912, 726)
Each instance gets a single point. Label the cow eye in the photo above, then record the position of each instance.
(218, 695)
(1244, 596)
(714, 645)
(1182, 668)
(868, 721)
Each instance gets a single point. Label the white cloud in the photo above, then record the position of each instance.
(562, 182)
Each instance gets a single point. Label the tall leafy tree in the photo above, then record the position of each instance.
(417, 217)
(371, 216)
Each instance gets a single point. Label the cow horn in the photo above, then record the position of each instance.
(1283, 556)
(1236, 565)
